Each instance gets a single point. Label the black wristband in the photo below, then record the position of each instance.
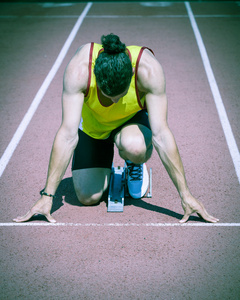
(46, 194)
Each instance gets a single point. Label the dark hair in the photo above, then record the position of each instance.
(113, 68)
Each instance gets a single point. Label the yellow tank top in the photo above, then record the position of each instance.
(98, 120)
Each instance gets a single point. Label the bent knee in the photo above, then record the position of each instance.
(90, 184)
(135, 145)
(135, 149)
(89, 199)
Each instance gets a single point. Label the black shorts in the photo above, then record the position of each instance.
(95, 153)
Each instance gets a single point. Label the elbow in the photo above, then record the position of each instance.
(69, 137)
(74, 141)
(157, 141)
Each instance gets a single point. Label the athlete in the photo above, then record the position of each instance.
(113, 94)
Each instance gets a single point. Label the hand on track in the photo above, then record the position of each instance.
(41, 207)
(192, 205)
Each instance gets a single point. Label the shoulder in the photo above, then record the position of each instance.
(151, 77)
(76, 73)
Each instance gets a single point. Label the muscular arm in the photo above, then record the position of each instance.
(152, 81)
(164, 142)
(74, 85)
(65, 141)
(163, 139)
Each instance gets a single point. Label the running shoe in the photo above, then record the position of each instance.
(137, 179)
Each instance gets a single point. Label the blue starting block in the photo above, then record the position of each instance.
(118, 188)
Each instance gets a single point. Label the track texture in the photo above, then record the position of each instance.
(121, 262)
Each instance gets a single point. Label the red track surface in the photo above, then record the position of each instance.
(110, 261)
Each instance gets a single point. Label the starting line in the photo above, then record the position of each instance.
(33, 224)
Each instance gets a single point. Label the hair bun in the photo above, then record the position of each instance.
(112, 44)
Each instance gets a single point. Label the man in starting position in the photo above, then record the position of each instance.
(113, 94)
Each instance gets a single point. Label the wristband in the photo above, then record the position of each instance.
(46, 194)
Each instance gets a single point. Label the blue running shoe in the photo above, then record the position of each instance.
(137, 179)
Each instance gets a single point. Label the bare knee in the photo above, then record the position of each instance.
(88, 199)
(90, 184)
(133, 147)
(136, 148)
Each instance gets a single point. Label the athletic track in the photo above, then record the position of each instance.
(143, 253)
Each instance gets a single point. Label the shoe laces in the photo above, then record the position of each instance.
(134, 171)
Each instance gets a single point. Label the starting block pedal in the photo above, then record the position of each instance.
(118, 189)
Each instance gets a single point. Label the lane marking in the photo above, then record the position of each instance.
(232, 145)
(217, 16)
(115, 16)
(40, 94)
(159, 16)
(156, 4)
(135, 16)
(44, 224)
(53, 5)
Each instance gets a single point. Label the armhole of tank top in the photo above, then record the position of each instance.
(89, 69)
(136, 72)
(129, 54)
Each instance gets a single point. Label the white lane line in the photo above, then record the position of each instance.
(217, 16)
(134, 16)
(116, 16)
(232, 145)
(157, 16)
(44, 224)
(51, 5)
(156, 4)
(40, 94)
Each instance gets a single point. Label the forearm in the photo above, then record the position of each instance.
(61, 154)
(168, 152)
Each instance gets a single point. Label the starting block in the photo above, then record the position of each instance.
(118, 188)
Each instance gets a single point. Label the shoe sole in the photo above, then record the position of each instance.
(145, 184)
